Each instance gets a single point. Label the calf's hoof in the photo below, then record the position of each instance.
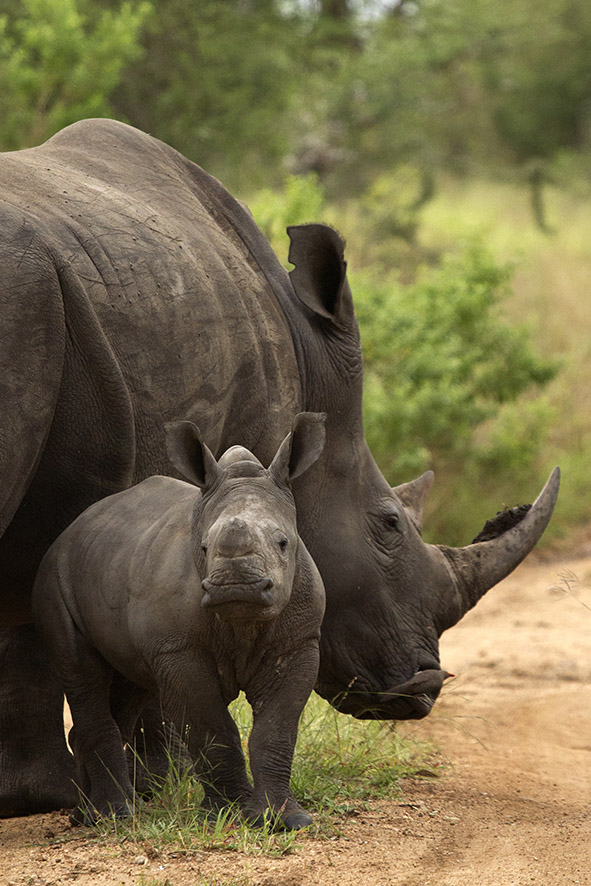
(90, 815)
(297, 820)
(291, 821)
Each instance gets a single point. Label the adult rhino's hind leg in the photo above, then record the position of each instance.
(36, 768)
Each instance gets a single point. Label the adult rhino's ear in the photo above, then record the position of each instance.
(319, 277)
(413, 496)
(189, 454)
(301, 447)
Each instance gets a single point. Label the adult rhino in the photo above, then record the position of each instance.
(134, 291)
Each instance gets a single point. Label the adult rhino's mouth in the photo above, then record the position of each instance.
(411, 700)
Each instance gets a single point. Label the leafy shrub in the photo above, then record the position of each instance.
(301, 200)
(440, 361)
(59, 63)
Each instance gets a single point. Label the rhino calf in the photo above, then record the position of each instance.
(193, 594)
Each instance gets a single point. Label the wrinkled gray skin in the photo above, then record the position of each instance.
(193, 594)
(135, 290)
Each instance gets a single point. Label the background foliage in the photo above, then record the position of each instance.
(448, 140)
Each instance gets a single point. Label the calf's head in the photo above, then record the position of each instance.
(245, 536)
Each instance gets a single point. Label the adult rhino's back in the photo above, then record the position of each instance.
(181, 281)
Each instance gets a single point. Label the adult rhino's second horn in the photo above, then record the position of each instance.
(480, 566)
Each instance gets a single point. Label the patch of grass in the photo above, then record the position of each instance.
(340, 765)
(173, 819)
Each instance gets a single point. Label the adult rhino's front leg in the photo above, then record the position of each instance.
(36, 768)
(277, 709)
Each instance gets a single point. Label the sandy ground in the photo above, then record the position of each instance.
(513, 808)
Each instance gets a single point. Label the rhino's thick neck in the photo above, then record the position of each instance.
(331, 498)
(332, 377)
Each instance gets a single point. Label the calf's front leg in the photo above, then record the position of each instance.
(191, 695)
(277, 707)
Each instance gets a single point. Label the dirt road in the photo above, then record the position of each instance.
(513, 809)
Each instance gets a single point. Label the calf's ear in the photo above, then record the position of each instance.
(189, 454)
(301, 447)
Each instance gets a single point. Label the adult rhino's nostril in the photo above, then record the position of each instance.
(267, 583)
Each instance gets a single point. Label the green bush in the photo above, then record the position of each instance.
(60, 63)
(440, 361)
(449, 383)
(301, 200)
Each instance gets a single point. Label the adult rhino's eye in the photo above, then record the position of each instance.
(282, 542)
(392, 519)
(204, 548)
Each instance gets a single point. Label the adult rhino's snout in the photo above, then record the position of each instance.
(411, 700)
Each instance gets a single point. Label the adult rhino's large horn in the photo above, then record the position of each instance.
(479, 566)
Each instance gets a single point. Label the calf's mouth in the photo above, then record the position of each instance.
(254, 592)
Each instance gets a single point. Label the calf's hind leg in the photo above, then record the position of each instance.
(96, 741)
(86, 678)
(151, 742)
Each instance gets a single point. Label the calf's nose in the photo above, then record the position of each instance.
(235, 539)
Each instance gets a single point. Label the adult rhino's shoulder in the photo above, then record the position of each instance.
(100, 152)
(104, 144)
(96, 130)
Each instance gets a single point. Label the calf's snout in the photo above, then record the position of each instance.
(234, 538)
